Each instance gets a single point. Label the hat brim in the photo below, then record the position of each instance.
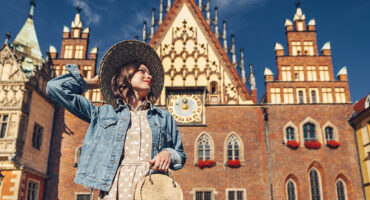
(122, 53)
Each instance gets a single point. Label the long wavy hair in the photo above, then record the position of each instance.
(121, 83)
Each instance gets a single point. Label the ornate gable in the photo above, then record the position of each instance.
(192, 56)
(10, 67)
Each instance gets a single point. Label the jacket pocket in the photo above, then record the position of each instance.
(107, 129)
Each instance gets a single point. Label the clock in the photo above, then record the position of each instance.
(186, 107)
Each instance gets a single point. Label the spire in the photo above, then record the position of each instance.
(252, 78)
(26, 41)
(144, 32)
(160, 20)
(208, 12)
(7, 37)
(215, 23)
(224, 37)
(168, 6)
(233, 50)
(78, 8)
(152, 25)
(242, 67)
(33, 5)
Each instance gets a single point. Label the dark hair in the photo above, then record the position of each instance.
(121, 82)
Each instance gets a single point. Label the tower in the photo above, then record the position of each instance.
(26, 114)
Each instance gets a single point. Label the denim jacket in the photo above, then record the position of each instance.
(105, 138)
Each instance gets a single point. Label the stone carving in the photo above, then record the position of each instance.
(11, 96)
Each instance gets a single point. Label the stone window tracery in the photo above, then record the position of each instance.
(309, 132)
(204, 148)
(233, 148)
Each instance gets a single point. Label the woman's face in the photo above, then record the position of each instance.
(141, 82)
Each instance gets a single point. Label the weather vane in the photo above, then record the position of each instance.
(298, 4)
(78, 8)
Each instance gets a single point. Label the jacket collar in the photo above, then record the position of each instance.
(152, 108)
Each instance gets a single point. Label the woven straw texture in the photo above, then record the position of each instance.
(122, 53)
(161, 189)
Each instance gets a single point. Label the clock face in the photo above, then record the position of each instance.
(186, 108)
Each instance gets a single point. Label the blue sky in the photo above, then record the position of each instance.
(257, 24)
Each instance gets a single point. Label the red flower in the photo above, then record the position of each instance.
(206, 163)
(312, 144)
(293, 144)
(333, 144)
(234, 163)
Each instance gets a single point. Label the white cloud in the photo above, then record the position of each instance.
(92, 17)
(135, 27)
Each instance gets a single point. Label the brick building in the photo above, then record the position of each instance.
(285, 147)
(26, 115)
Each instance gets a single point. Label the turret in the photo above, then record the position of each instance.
(326, 49)
(279, 49)
(342, 74)
(93, 53)
(269, 76)
(312, 25)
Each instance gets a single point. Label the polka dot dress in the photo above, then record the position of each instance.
(137, 154)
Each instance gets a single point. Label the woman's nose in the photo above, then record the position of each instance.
(149, 77)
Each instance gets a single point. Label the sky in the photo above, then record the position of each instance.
(257, 25)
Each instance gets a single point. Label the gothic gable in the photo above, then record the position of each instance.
(10, 67)
(192, 56)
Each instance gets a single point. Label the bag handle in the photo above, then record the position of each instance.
(168, 173)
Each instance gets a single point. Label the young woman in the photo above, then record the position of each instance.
(128, 134)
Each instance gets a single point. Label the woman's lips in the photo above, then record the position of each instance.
(148, 82)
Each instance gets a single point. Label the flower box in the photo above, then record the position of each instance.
(293, 144)
(312, 144)
(206, 163)
(233, 163)
(333, 144)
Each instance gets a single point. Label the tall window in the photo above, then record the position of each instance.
(235, 195)
(315, 185)
(203, 195)
(68, 51)
(213, 87)
(341, 190)
(327, 96)
(311, 73)
(76, 33)
(87, 71)
(309, 132)
(296, 48)
(204, 148)
(329, 133)
(286, 72)
(308, 48)
(275, 95)
(300, 97)
(3, 124)
(57, 70)
(300, 26)
(313, 96)
(96, 95)
(32, 190)
(288, 95)
(298, 73)
(37, 136)
(290, 134)
(340, 96)
(233, 145)
(291, 190)
(79, 51)
(64, 70)
(324, 73)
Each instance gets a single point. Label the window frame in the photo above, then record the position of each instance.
(295, 189)
(318, 181)
(241, 148)
(2, 122)
(344, 188)
(212, 147)
(296, 132)
(195, 190)
(236, 190)
(38, 187)
(37, 136)
(83, 193)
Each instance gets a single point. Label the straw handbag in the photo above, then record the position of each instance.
(158, 187)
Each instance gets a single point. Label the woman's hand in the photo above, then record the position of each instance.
(161, 161)
(92, 83)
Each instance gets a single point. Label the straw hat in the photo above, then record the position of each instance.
(158, 187)
(122, 53)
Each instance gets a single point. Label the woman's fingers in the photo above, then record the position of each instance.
(161, 161)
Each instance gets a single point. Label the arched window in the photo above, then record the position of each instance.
(204, 148)
(233, 148)
(341, 190)
(329, 133)
(315, 185)
(213, 87)
(300, 93)
(313, 95)
(309, 132)
(291, 191)
(290, 134)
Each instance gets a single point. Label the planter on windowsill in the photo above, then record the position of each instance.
(333, 144)
(206, 163)
(293, 144)
(312, 144)
(234, 163)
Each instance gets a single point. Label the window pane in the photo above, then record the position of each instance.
(3, 129)
(240, 195)
(207, 195)
(199, 195)
(83, 196)
(207, 155)
(315, 187)
(231, 195)
(5, 118)
(340, 191)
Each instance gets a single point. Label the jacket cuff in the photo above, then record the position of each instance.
(175, 158)
(75, 72)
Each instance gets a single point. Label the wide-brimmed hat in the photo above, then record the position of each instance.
(123, 53)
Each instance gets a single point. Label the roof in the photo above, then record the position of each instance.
(362, 104)
(214, 42)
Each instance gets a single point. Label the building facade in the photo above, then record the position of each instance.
(294, 144)
(26, 115)
(360, 121)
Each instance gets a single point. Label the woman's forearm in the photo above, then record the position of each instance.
(92, 83)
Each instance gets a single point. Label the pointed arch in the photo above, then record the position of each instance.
(287, 134)
(204, 147)
(292, 187)
(315, 181)
(233, 148)
(326, 131)
(317, 129)
(346, 185)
